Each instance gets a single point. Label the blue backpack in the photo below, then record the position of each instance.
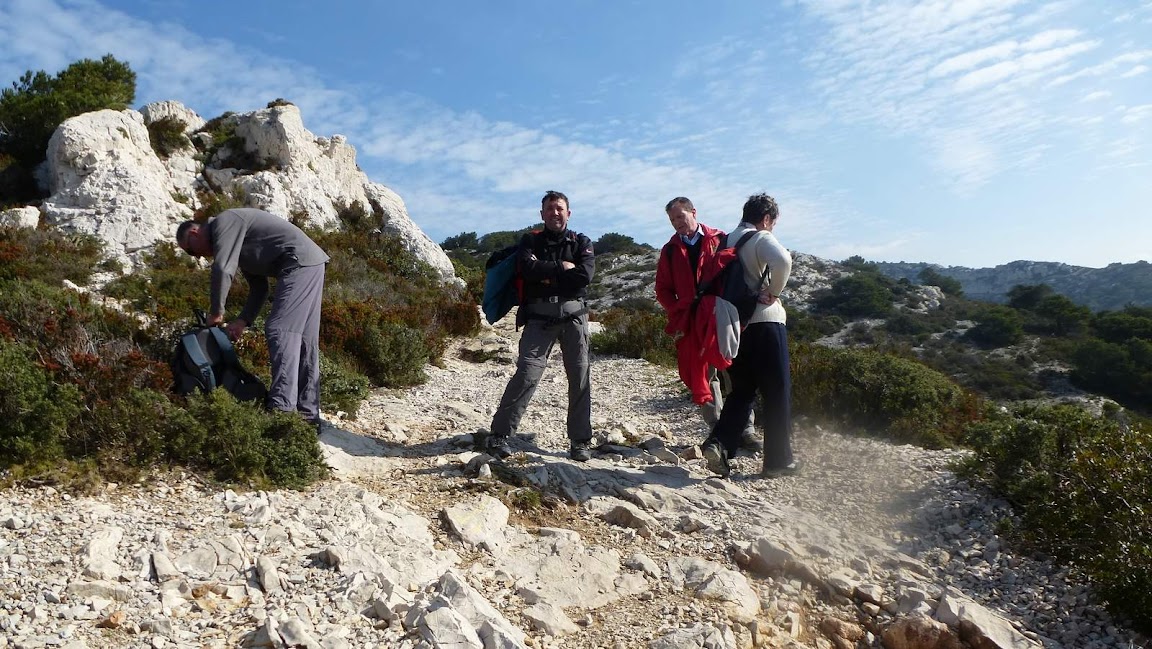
(501, 283)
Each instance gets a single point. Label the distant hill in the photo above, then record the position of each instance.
(1100, 289)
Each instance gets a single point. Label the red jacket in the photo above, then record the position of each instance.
(675, 281)
(675, 291)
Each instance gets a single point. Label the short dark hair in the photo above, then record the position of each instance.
(679, 201)
(183, 230)
(552, 195)
(759, 206)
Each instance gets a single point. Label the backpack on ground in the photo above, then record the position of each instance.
(204, 360)
(725, 275)
(501, 288)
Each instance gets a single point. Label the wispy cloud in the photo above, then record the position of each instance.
(980, 81)
(1137, 114)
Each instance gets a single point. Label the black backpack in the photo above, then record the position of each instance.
(204, 360)
(726, 279)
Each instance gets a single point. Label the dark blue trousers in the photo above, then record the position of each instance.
(761, 366)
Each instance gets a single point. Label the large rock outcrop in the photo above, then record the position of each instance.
(105, 179)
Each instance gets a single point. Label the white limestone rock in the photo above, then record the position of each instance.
(106, 180)
(20, 217)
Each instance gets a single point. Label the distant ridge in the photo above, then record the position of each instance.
(1100, 289)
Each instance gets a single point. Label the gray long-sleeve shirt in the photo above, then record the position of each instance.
(260, 245)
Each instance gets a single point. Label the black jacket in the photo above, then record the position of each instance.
(540, 256)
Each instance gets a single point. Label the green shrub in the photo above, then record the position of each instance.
(213, 203)
(34, 106)
(50, 256)
(620, 244)
(886, 395)
(997, 326)
(166, 135)
(1121, 371)
(393, 355)
(908, 324)
(341, 387)
(471, 270)
(1083, 488)
(465, 240)
(167, 289)
(863, 295)
(128, 434)
(949, 285)
(35, 411)
(240, 442)
(635, 334)
(808, 327)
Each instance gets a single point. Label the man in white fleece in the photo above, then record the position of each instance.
(762, 362)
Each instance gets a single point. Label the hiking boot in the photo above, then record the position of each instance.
(709, 413)
(792, 468)
(716, 458)
(751, 442)
(580, 451)
(497, 446)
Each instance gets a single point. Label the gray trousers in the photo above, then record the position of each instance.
(293, 333)
(710, 412)
(536, 343)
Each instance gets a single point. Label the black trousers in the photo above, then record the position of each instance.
(761, 365)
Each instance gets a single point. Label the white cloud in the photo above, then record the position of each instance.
(1027, 63)
(1135, 71)
(1096, 96)
(1137, 114)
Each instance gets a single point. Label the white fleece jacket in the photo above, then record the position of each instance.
(763, 250)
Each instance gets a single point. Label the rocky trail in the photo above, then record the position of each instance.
(418, 541)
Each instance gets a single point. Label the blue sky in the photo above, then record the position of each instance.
(960, 132)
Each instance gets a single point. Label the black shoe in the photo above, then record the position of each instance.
(716, 458)
(580, 451)
(497, 446)
(791, 468)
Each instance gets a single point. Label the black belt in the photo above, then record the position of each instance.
(553, 299)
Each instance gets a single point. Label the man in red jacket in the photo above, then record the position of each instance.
(677, 278)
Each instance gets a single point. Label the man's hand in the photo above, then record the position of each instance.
(214, 319)
(567, 265)
(766, 297)
(235, 329)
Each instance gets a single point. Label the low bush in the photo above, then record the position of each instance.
(635, 334)
(393, 355)
(997, 326)
(241, 442)
(863, 295)
(806, 327)
(49, 256)
(166, 135)
(886, 395)
(1082, 485)
(35, 411)
(341, 386)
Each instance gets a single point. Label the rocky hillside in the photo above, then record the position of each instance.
(1109, 288)
(108, 176)
(623, 277)
(420, 542)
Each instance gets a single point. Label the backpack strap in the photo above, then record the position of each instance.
(710, 285)
(224, 345)
(196, 354)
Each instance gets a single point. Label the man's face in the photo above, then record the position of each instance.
(196, 243)
(555, 214)
(683, 220)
